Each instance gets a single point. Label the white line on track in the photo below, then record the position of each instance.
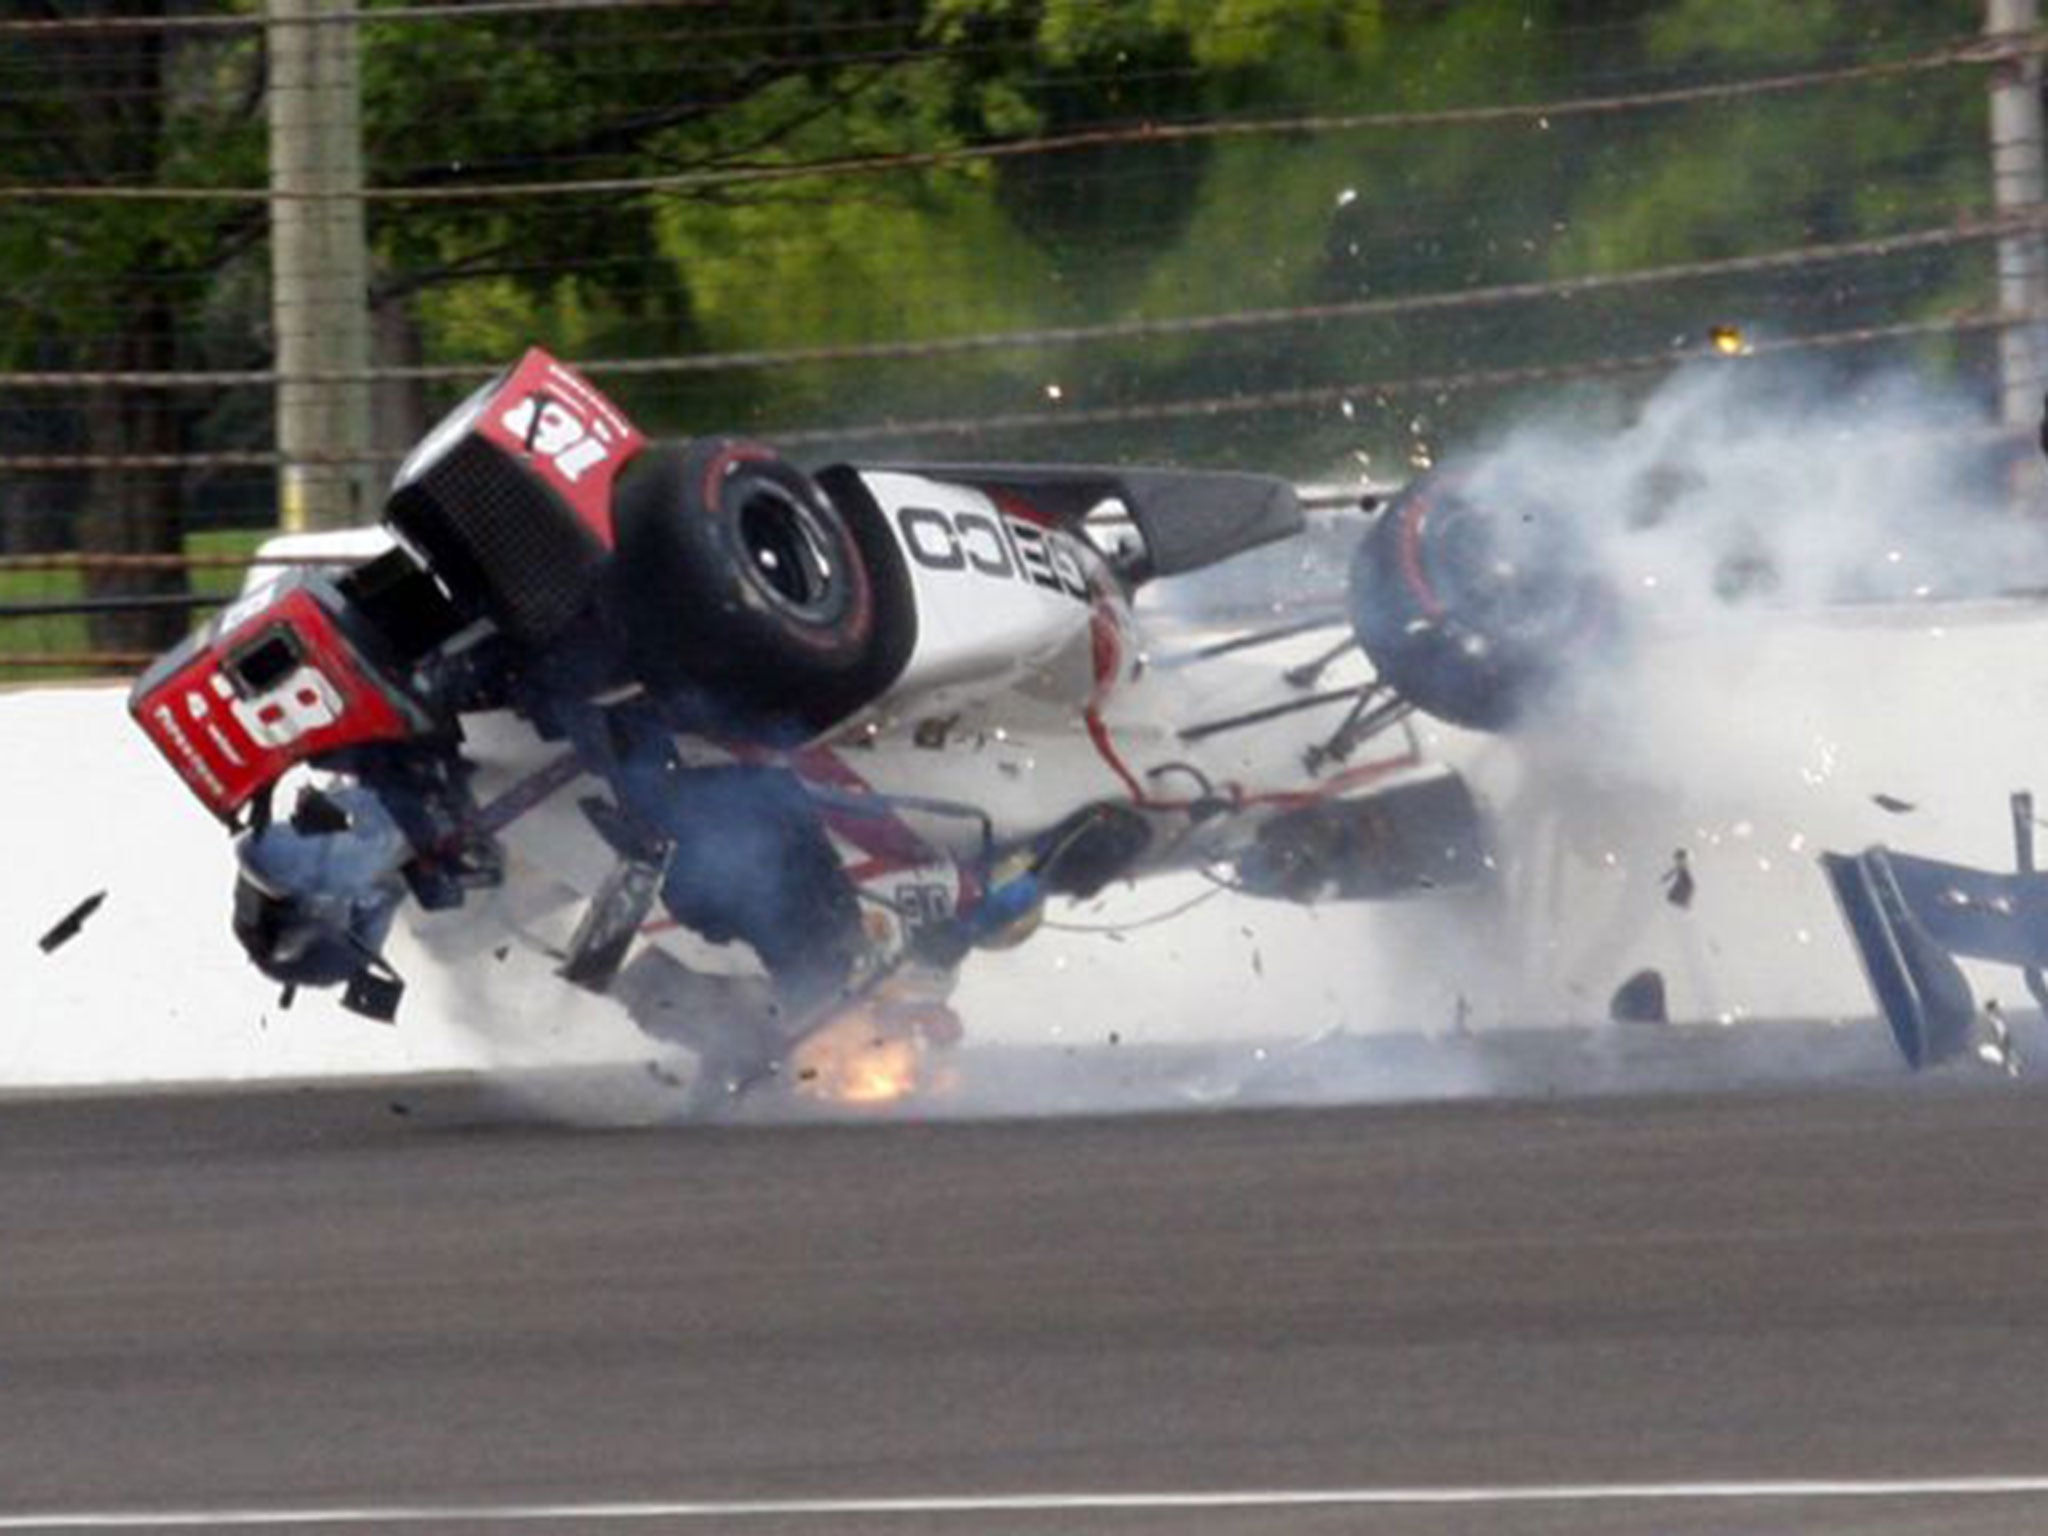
(1035, 1503)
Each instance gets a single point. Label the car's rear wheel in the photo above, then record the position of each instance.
(739, 580)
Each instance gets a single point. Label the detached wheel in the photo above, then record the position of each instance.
(737, 576)
(1477, 613)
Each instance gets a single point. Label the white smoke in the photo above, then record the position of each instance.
(1792, 559)
(1744, 485)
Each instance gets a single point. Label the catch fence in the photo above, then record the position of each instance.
(247, 254)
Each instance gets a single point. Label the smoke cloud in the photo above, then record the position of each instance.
(1797, 563)
(1750, 485)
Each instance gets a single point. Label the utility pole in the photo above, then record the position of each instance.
(2017, 188)
(319, 264)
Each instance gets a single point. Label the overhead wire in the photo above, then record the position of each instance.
(1975, 51)
(1240, 403)
(1972, 230)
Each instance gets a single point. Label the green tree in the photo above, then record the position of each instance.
(1838, 164)
(860, 192)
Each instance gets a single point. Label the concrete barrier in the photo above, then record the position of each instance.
(1750, 752)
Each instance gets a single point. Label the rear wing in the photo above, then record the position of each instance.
(1188, 518)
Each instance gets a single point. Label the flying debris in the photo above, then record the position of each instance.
(374, 993)
(67, 927)
(1678, 881)
(1640, 1000)
(1728, 341)
(1893, 804)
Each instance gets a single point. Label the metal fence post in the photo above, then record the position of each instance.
(2016, 181)
(319, 264)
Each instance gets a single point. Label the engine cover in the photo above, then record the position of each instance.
(510, 497)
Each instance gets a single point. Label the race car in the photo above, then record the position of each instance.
(832, 728)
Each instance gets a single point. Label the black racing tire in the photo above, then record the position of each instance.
(738, 578)
(1476, 613)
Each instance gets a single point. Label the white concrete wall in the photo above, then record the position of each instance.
(1753, 755)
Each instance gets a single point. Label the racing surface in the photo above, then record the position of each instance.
(411, 1309)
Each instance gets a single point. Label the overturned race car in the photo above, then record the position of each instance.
(846, 724)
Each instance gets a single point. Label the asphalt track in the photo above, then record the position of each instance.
(1795, 1310)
